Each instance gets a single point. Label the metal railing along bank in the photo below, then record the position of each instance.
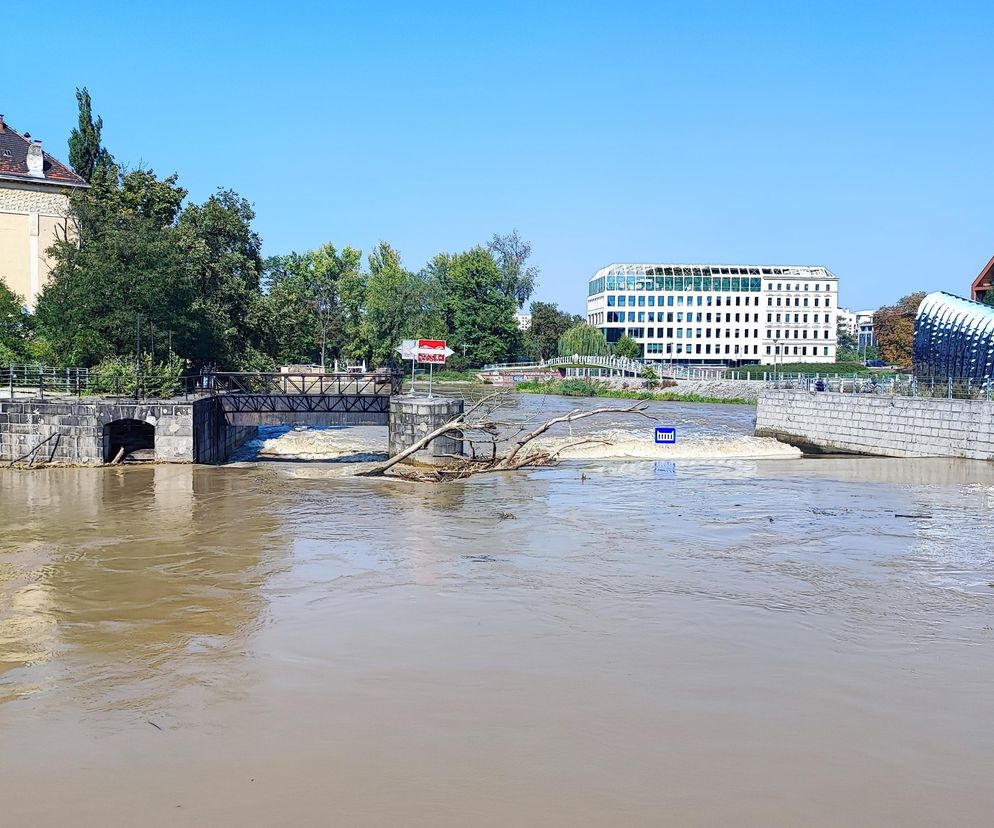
(900, 385)
(39, 380)
(43, 379)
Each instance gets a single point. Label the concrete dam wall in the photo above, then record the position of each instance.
(877, 425)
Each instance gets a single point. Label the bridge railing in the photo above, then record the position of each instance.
(271, 383)
(632, 366)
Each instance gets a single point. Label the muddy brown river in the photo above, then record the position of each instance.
(717, 633)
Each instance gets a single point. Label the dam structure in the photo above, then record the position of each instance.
(218, 413)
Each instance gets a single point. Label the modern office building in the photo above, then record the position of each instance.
(709, 314)
(954, 338)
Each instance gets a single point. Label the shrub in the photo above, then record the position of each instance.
(116, 375)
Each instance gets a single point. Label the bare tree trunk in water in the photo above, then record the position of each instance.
(484, 425)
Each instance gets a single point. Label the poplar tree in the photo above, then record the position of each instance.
(85, 151)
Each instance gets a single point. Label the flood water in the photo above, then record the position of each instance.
(721, 633)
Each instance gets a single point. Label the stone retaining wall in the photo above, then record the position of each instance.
(878, 425)
(720, 389)
(74, 429)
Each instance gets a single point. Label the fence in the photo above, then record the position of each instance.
(44, 379)
(900, 385)
(39, 380)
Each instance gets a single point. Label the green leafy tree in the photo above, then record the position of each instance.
(316, 302)
(292, 328)
(397, 305)
(846, 350)
(628, 348)
(15, 327)
(583, 340)
(223, 257)
(86, 153)
(547, 326)
(481, 314)
(126, 274)
(517, 277)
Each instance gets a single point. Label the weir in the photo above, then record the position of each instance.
(218, 414)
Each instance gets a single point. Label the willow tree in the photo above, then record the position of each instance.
(583, 340)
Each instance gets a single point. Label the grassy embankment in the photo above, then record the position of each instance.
(845, 369)
(592, 388)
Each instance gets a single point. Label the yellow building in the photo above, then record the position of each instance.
(34, 202)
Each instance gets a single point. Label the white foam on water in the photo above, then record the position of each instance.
(623, 444)
(341, 445)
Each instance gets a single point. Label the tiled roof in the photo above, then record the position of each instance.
(14, 163)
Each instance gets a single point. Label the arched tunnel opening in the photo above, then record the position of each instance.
(131, 439)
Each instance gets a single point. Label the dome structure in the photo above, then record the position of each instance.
(954, 338)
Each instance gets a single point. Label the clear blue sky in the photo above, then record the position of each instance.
(859, 136)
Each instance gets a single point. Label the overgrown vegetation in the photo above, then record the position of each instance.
(120, 376)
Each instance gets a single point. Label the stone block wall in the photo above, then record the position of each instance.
(412, 418)
(185, 432)
(76, 428)
(878, 425)
(214, 439)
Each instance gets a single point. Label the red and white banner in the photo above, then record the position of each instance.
(433, 351)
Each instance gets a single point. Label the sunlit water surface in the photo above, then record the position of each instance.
(719, 633)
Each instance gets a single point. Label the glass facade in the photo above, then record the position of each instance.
(715, 313)
(954, 338)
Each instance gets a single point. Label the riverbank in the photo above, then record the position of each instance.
(716, 391)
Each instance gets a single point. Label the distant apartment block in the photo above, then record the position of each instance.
(859, 325)
(707, 314)
(523, 320)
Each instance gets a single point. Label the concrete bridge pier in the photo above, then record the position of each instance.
(414, 417)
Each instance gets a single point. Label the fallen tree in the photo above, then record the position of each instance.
(480, 427)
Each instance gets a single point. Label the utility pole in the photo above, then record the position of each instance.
(138, 351)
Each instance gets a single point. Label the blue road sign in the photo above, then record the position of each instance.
(665, 434)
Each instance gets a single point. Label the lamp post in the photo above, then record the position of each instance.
(776, 354)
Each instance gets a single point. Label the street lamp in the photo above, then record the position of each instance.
(776, 353)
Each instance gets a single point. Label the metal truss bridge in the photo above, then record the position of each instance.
(255, 399)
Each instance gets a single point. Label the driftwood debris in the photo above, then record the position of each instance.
(33, 453)
(482, 428)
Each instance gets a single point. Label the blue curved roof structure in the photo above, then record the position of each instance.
(954, 337)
